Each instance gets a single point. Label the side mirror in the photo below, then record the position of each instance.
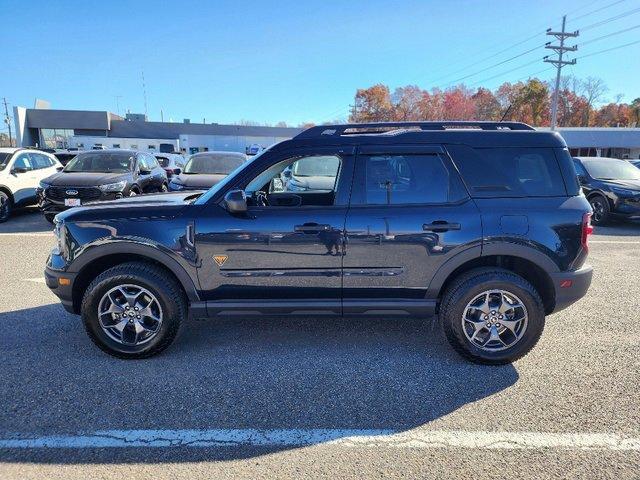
(144, 172)
(19, 170)
(287, 173)
(582, 179)
(59, 169)
(236, 201)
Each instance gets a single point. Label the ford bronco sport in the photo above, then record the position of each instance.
(481, 223)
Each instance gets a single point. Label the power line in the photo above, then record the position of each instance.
(512, 46)
(594, 11)
(505, 73)
(609, 35)
(610, 19)
(496, 64)
(609, 49)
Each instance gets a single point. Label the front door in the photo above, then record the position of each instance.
(409, 214)
(284, 256)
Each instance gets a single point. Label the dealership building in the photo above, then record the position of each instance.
(84, 130)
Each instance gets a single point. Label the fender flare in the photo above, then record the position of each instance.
(93, 252)
(8, 191)
(491, 248)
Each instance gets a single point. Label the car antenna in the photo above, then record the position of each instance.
(506, 112)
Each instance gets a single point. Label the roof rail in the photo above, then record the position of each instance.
(386, 127)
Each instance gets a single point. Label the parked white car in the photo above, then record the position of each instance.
(21, 170)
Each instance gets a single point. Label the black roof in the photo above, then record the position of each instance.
(475, 134)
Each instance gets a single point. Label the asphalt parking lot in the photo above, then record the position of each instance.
(317, 397)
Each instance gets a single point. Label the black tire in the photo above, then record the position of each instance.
(6, 206)
(473, 283)
(49, 217)
(164, 188)
(134, 191)
(154, 279)
(601, 210)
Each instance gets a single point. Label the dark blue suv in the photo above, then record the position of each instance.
(481, 223)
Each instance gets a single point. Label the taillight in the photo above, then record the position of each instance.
(587, 230)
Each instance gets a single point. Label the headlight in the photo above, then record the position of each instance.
(624, 191)
(43, 185)
(113, 187)
(61, 238)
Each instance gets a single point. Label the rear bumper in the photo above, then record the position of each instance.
(571, 286)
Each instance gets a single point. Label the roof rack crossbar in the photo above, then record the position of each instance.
(337, 130)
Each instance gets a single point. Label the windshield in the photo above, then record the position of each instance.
(213, 163)
(163, 161)
(104, 162)
(316, 167)
(611, 169)
(229, 178)
(4, 157)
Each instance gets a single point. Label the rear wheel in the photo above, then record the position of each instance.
(492, 316)
(601, 210)
(133, 310)
(6, 205)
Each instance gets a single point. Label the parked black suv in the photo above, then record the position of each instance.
(100, 175)
(612, 187)
(482, 223)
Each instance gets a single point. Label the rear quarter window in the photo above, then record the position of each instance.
(509, 171)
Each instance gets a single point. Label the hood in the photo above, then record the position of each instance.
(198, 180)
(156, 205)
(84, 179)
(628, 184)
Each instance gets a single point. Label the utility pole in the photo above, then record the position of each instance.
(7, 120)
(144, 92)
(118, 97)
(559, 63)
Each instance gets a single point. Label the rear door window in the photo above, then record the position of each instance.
(405, 179)
(509, 171)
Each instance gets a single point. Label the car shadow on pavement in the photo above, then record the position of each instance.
(26, 220)
(618, 229)
(310, 373)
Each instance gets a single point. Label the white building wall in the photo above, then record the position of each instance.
(225, 143)
(143, 144)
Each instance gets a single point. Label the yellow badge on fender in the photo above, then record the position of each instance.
(220, 259)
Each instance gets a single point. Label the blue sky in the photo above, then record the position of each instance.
(285, 60)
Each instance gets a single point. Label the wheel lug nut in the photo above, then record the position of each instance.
(497, 324)
(137, 316)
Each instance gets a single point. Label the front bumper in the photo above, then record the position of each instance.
(627, 209)
(60, 281)
(49, 205)
(571, 286)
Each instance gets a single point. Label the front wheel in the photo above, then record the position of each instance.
(133, 310)
(5, 207)
(601, 210)
(492, 316)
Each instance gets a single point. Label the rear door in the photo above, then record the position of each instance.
(409, 214)
(22, 178)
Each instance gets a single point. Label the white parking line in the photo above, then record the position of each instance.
(34, 280)
(27, 234)
(630, 242)
(334, 437)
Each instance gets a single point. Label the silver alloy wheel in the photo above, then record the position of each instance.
(495, 320)
(132, 193)
(598, 209)
(130, 315)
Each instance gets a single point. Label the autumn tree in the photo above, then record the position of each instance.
(406, 103)
(487, 105)
(373, 104)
